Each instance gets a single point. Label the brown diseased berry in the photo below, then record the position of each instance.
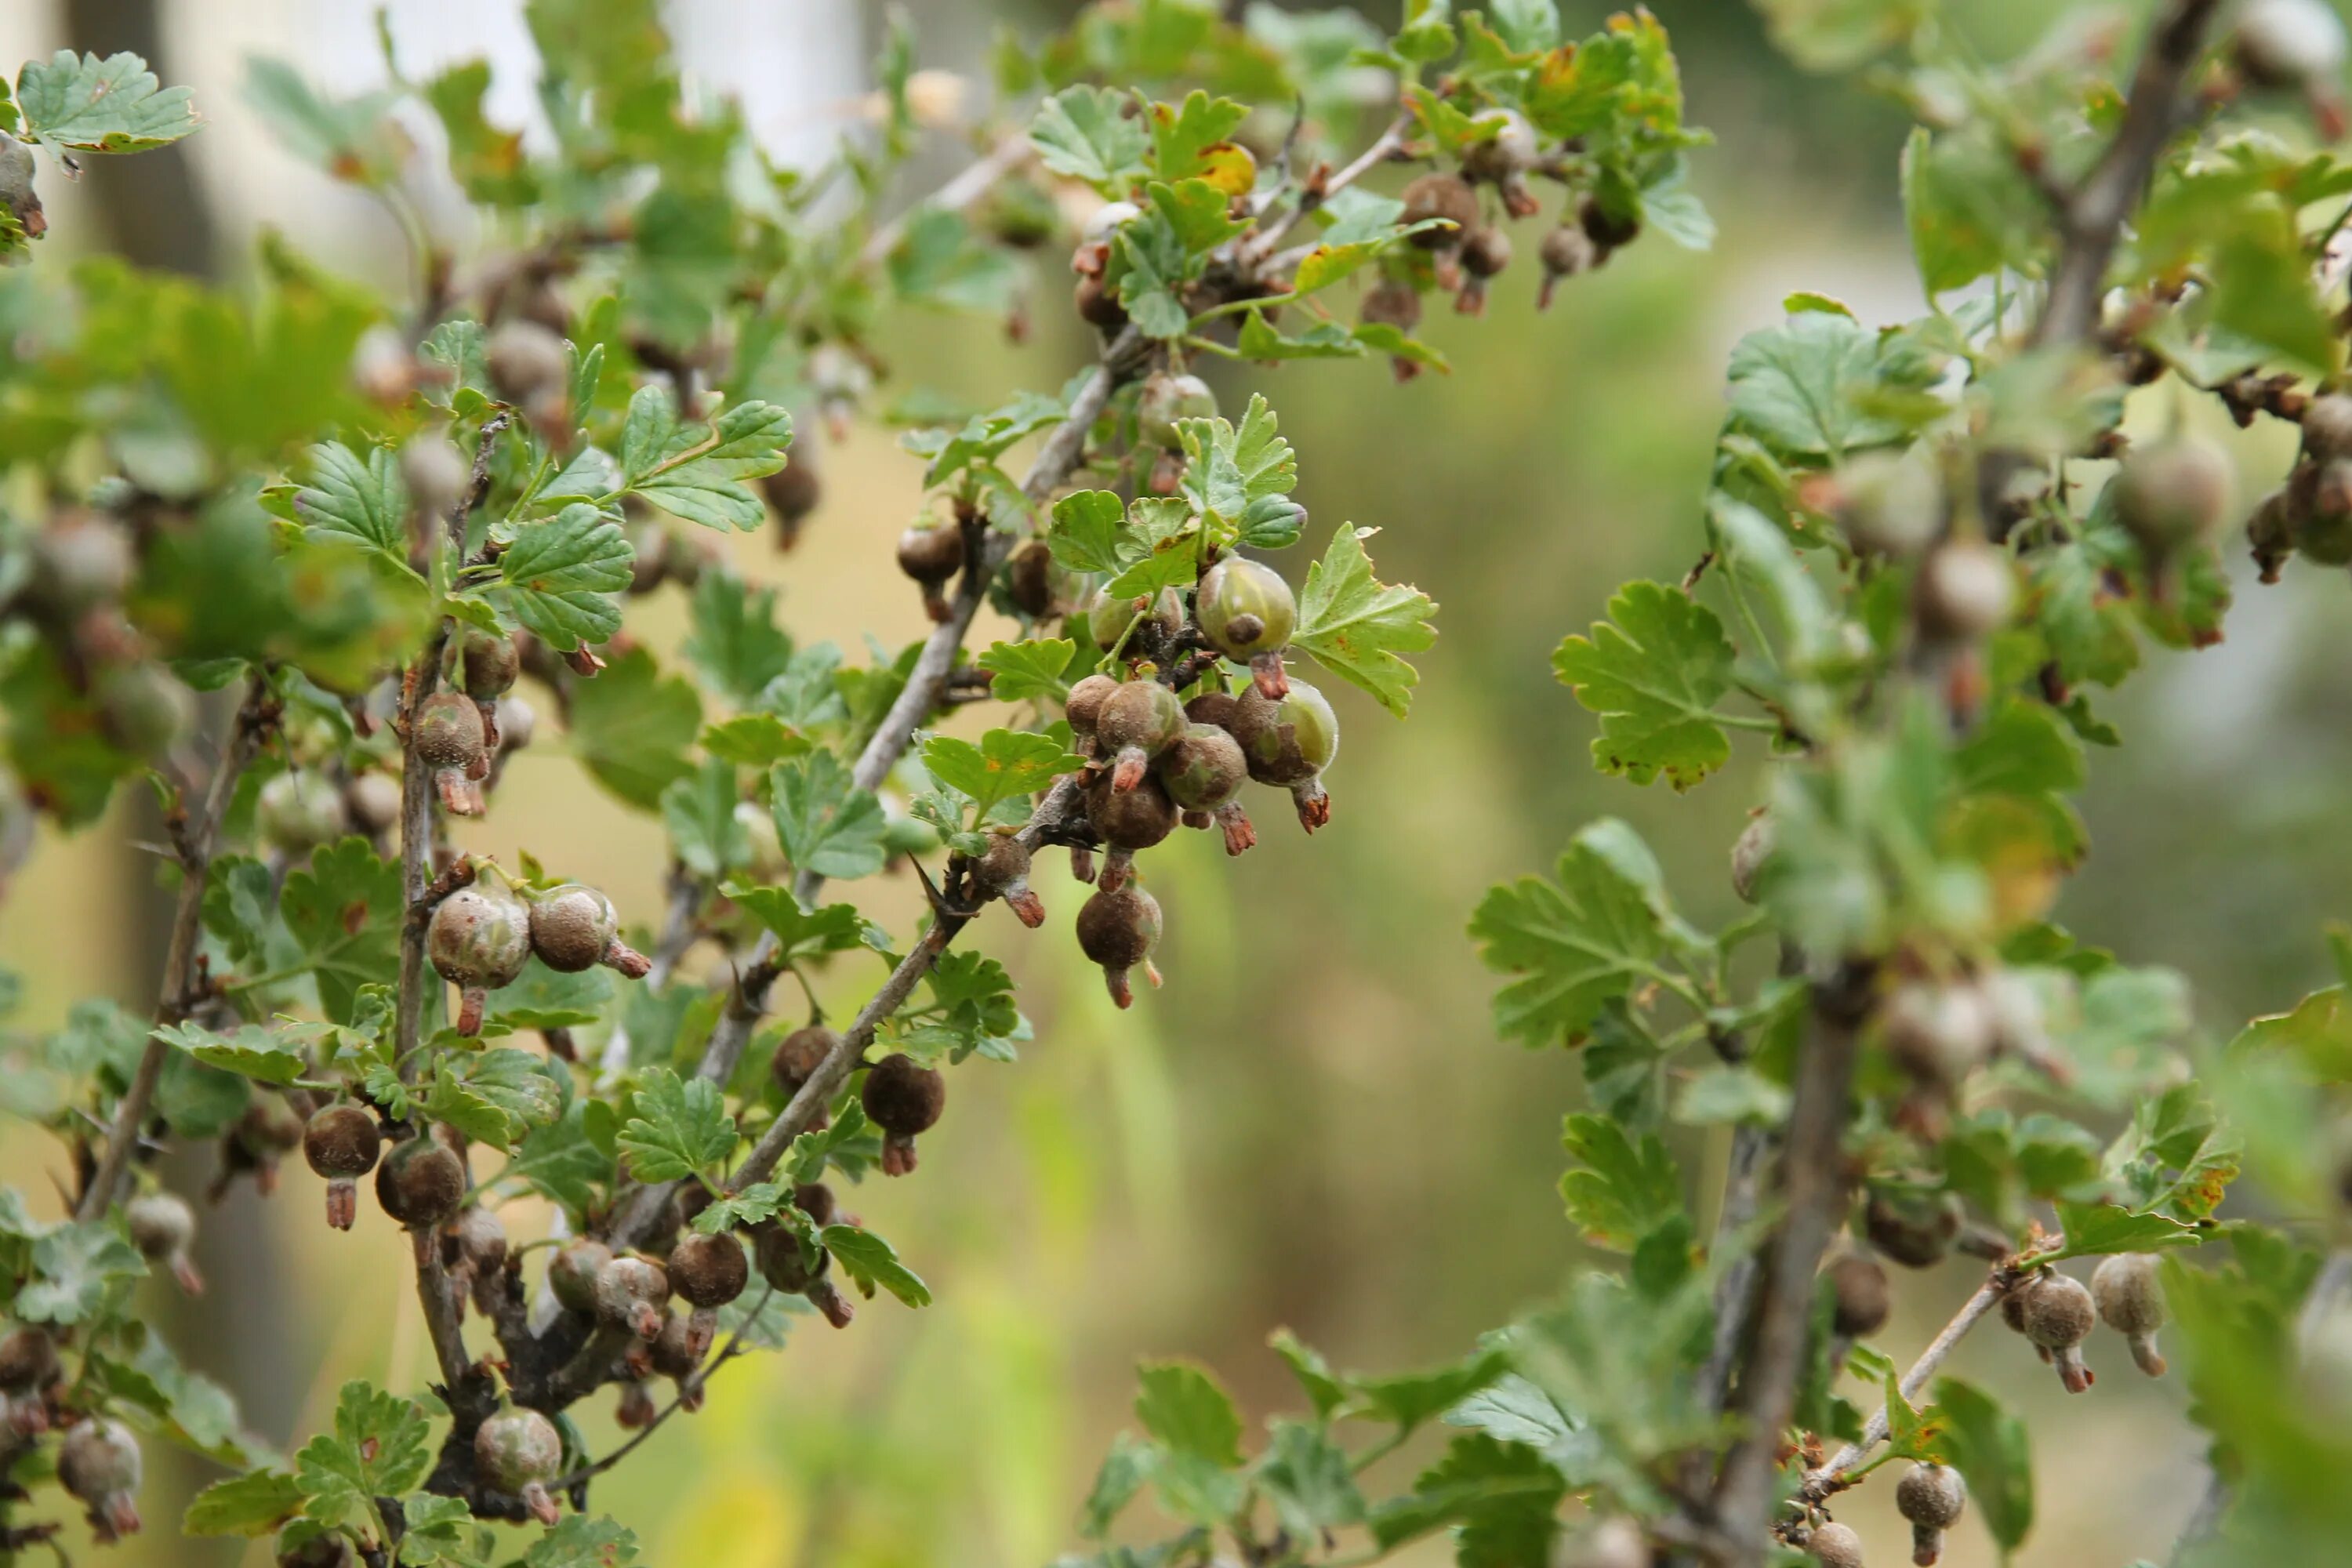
(1931, 1497)
(574, 926)
(1485, 253)
(1608, 230)
(162, 1226)
(1029, 580)
(268, 1131)
(420, 1184)
(571, 1273)
(799, 1055)
(99, 1465)
(1448, 199)
(478, 940)
(1836, 1545)
(1085, 703)
(1289, 743)
(1135, 724)
(1004, 873)
(1127, 821)
(1117, 929)
(1915, 1230)
(1858, 1289)
(708, 1270)
(629, 1294)
(489, 663)
(1099, 305)
(932, 554)
(447, 739)
(1565, 252)
(342, 1143)
(785, 1266)
(2130, 1299)
(815, 1200)
(902, 1097)
(2057, 1314)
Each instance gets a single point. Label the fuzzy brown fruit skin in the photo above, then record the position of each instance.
(1004, 873)
(99, 1467)
(782, 1265)
(1566, 252)
(629, 1295)
(478, 940)
(2327, 428)
(264, 1135)
(490, 661)
(1205, 772)
(2130, 1298)
(371, 802)
(162, 1226)
(1289, 743)
(1127, 821)
(1918, 1232)
(2174, 495)
(815, 1200)
(519, 1451)
(1931, 1497)
(1835, 1545)
(1135, 724)
(1858, 1288)
(28, 1361)
(799, 1055)
(342, 1143)
(903, 1098)
(574, 927)
(1486, 252)
(708, 1270)
(1117, 929)
(932, 554)
(1085, 704)
(1447, 197)
(1029, 580)
(420, 1184)
(571, 1273)
(2057, 1314)
(1098, 305)
(447, 739)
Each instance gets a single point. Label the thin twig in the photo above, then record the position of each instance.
(193, 844)
(1262, 244)
(688, 1388)
(1830, 1477)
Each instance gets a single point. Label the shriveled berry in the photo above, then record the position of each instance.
(1835, 1545)
(1117, 929)
(1504, 158)
(478, 940)
(708, 1270)
(903, 1098)
(342, 1143)
(1003, 872)
(1167, 398)
(1915, 1230)
(99, 1467)
(677, 1351)
(162, 1228)
(1931, 1497)
(1136, 723)
(488, 660)
(572, 1272)
(1859, 1294)
(2057, 1314)
(420, 1184)
(1289, 742)
(2130, 1298)
(799, 1055)
(299, 810)
(629, 1295)
(785, 1266)
(518, 1451)
(574, 926)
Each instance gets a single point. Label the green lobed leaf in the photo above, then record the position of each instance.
(75, 1267)
(580, 1542)
(253, 1050)
(377, 1448)
(631, 727)
(1083, 132)
(355, 498)
(681, 1126)
(698, 473)
(1578, 940)
(827, 824)
(1182, 1405)
(833, 928)
(110, 105)
(871, 1264)
(252, 1505)
(734, 638)
(1022, 670)
(1007, 763)
(1355, 625)
(1804, 388)
(1619, 1191)
(560, 577)
(1654, 671)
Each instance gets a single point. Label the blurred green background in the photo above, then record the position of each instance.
(1312, 1124)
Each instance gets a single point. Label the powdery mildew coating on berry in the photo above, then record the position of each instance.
(519, 1451)
(1837, 1546)
(420, 1184)
(629, 1295)
(708, 1270)
(2058, 1315)
(1137, 722)
(161, 1227)
(903, 1098)
(299, 810)
(1204, 769)
(571, 1273)
(1931, 1498)
(447, 732)
(99, 1467)
(342, 1141)
(1117, 929)
(1085, 703)
(1858, 1289)
(1003, 872)
(2130, 1299)
(574, 927)
(1134, 818)
(478, 940)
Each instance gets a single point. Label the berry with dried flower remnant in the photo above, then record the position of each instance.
(99, 1468)
(1289, 742)
(1117, 929)
(478, 940)
(1135, 724)
(1566, 252)
(1485, 253)
(299, 810)
(1448, 200)
(903, 1098)
(342, 1143)
(708, 1272)
(420, 1184)
(2057, 1314)
(677, 1353)
(2131, 1301)
(572, 1272)
(1931, 1498)
(446, 738)
(932, 553)
(1964, 591)
(518, 1451)
(1247, 612)
(1859, 1296)
(1505, 158)
(162, 1226)
(630, 1292)
(1204, 772)
(267, 1131)
(1003, 872)
(786, 1266)
(1127, 821)
(574, 927)
(1914, 1229)
(1835, 1545)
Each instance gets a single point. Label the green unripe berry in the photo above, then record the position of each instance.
(299, 810)
(1288, 743)
(1167, 398)
(519, 1451)
(1204, 768)
(1245, 609)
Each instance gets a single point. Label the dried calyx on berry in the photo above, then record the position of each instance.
(932, 554)
(1003, 872)
(1835, 1545)
(2057, 1313)
(299, 810)
(99, 1465)
(2130, 1298)
(1289, 742)
(446, 739)
(518, 1452)
(571, 1273)
(1127, 821)
(1117, 929)
(478, 940)
(903, 1098)
(1136, 722)
(1914, 1228)
(574, 927)
(420, 1183)
(1247, 612)
(1204, 772)
(786, 1264)
(162, 1228)
(706, 1272)
(1931, 1498)
(342, 1143)
(630, 1293)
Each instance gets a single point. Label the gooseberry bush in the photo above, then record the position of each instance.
(306, 565)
